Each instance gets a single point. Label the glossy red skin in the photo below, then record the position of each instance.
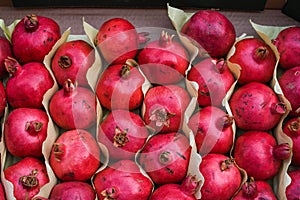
(292, 191)
(210, 134)
(27, 86)
(288, 45)
(212, 32)
(164, 63)
(137, 133)
(253, 152)
(34, 46)
(254, 66)
(2, 192)
(295, 137)
(22, 142)
(251, 107)
(264, 191)
(24, 167)
(218, 184)
(77, 110)
(175, 170)
(210, 80)
(71, 190)
(3, 100)
(126, 178)
(174, 99)
(82, 56)
(289, 82)
(117, 92)
(117, 40)
(170, 191)
(80, 156)
(5, 50)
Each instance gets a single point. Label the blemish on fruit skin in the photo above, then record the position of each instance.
(170, 171)
(182, 156)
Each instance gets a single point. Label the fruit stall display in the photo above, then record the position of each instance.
(123, 112)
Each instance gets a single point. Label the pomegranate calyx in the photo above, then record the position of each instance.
(31, 180)
(110, 193)
(221, 65)
(261, 53)
(249, 189)
(59, 151)
(165, 39)
(190, 185)
(165, 158)
(161, 117)
(120, 137)
(225, 121)
(31, 23)
(226, 164)
(142, 37)
(125, 71)
(294, 127)
(64, 62)
(12, 66)
(279, 108)
(33, 126)
(282, 151)
(69, 87)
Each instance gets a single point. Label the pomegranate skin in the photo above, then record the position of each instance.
(122, 180)
(5, 51)
(165, 157)
(292, 191)
(256, 59)
(75, 156)
(28, 176)
(289, 82)
(213, 131)
(33, 37)
(3, 99)
(255, 106)
(212, 31)
(2, 192)
(222, 177)
(25, 130)
(71, 190)
(72, 60)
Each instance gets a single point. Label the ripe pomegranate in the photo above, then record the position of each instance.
(214, 80)
(33, 37)
(292, 190)
(258, 153)
(3, 100)
(120, 87)
(27, 176)
(27, 84)
(292, 129)
(73, 107)
(165, 157)
(165, 106)
(5, 51)
(288, 45)
(71, 190)
(212, 32)
(255, 106)
(122, 180)
(75, 156)
(2, 192)
(164, 61)
(256, 59)
(123, 133)
(118, 40)
(72, 60)
(255, 190)
(25, 130)
(222, 178)
(183, 191)
(213, 131)
(289, 82)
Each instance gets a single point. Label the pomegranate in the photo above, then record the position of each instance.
(27, 84)
(222, 178)
(120, 87)
(118, 40)
(164, 61)
(27, 176)
(292, 190)
(255, 106)
(256, 59)
(288, 45)
(212, 32)
(213, 131)
(3, 100)
(33, 37)
(214, 80)
(258, 153)
(73, 107)
(289, 82)
(71, 190)
(72, 60)
(75, 156)
(123, 133)
(165, 106)
(2, 192)
(5, 51)
(183, 191)
(25, 130)
(255, 190)
(166, 157)
(122, 180)
(292, 129)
